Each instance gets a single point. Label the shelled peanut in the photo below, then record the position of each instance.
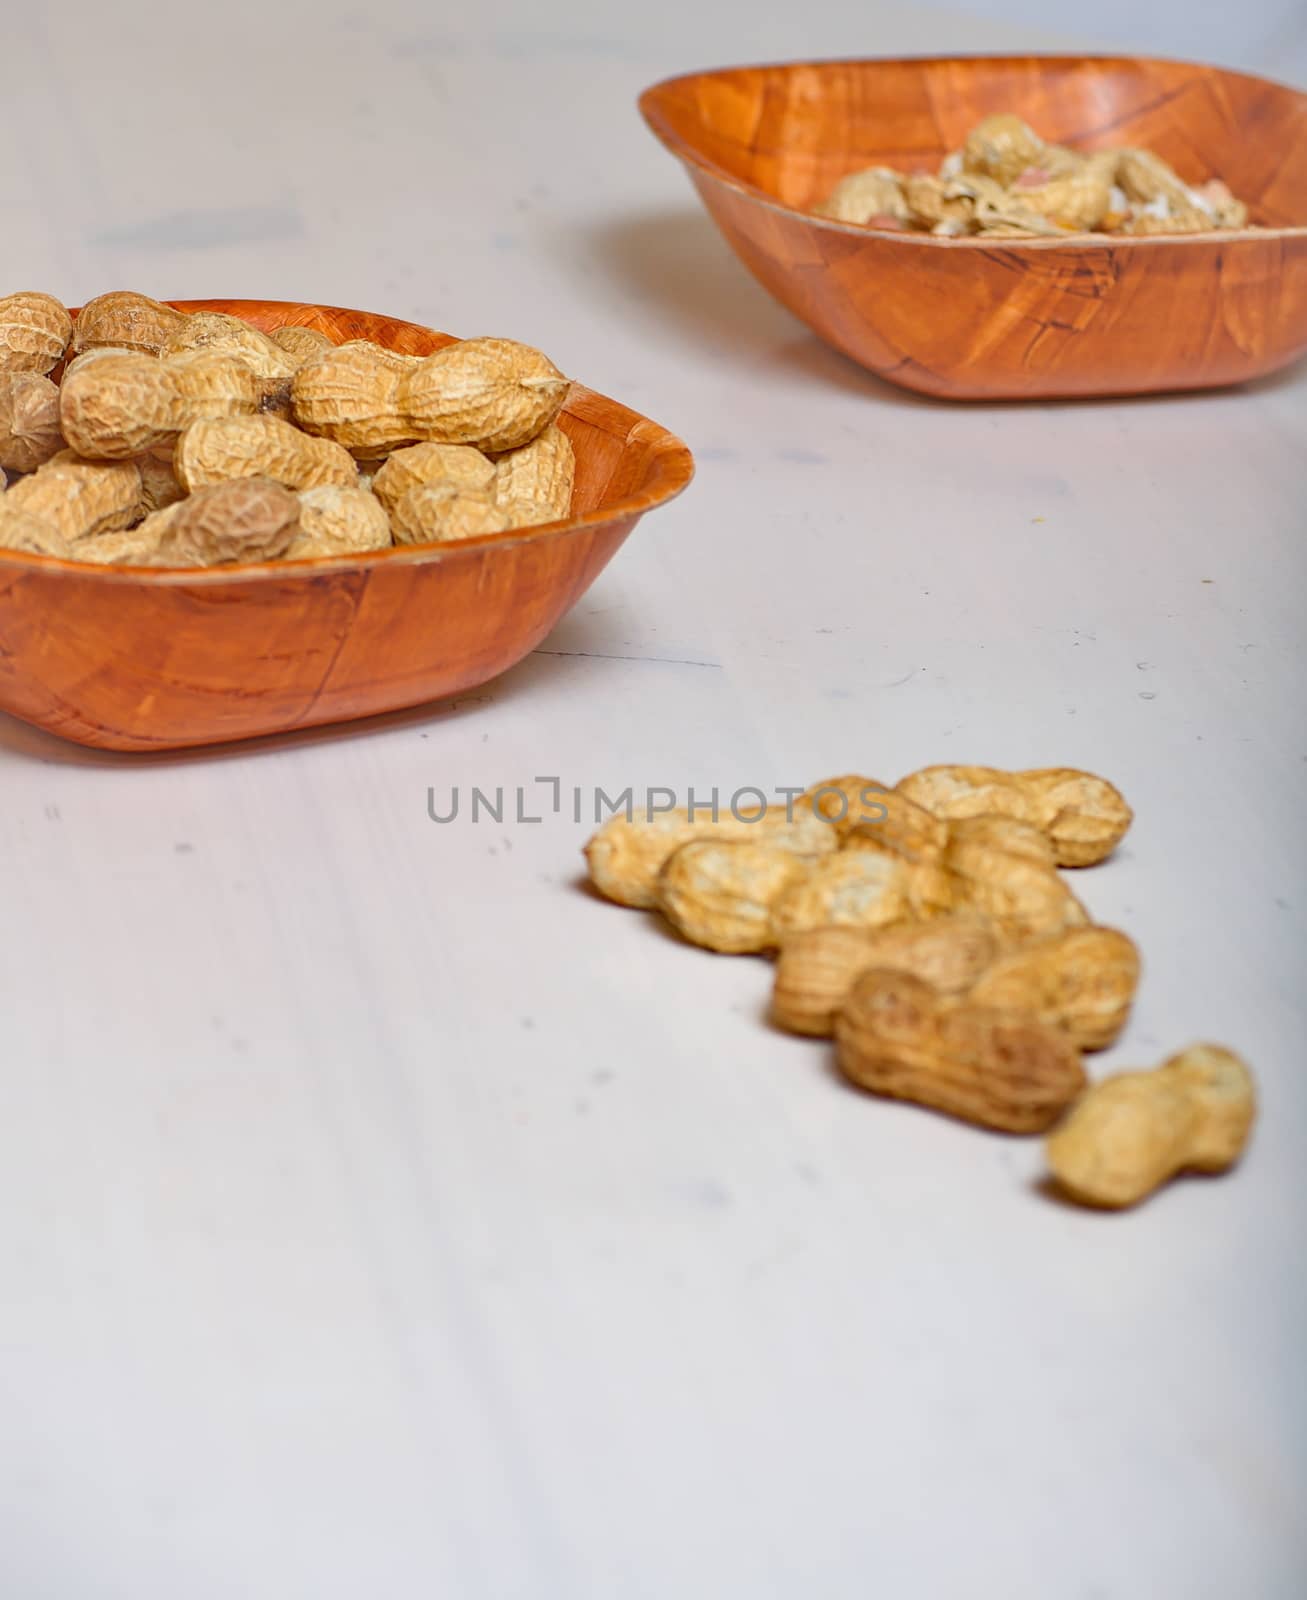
(190, 401)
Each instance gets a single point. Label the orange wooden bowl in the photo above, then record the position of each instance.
(134, 659)
(974, 319)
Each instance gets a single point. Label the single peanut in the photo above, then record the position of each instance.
(34, 332)
(1025, 898)
(78, 498)
(817, 967)
(1082, 981)
(492, 393)
(216, 331)
(542, 473)
(626, 855)
(719, 893)
(1132, 1132)
(1001, 1069)
(458, 465)
(119, 403)
(439, 513)
(218, 448)
(337, 520)
(239, 519)
(123, 320)
(301, 344)
(1083, 816)
(29, 421)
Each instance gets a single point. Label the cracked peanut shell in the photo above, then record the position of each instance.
(873, 194)
(1001, 147)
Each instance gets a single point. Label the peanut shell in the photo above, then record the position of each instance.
(301, 344)
(817, 968)
(1001, 147)
(337, 520)
(459, 465)
(123, 320)
(120, 404)
(34, 332)
(239, 519)
(214, 449)
(20, 530)
(718, 893)
(1082, 981)
(1084, 816)
(859, 889)
(1134, 1131)
(625, 856)
(876, 192)
(79, 498)
(999, 1069)
(438, 513)
(215, 330)
(1024, 898)
(29, 421)
(541, 473)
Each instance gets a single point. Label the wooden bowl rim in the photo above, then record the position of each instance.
(650, 107)
(673, 473)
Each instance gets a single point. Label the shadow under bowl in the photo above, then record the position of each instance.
(134, 659)
(974, 318)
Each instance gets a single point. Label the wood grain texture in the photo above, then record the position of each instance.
(987, 319)
(142, 660)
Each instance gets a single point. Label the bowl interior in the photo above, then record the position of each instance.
(793, 131)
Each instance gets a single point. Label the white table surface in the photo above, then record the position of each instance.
(382, 1215)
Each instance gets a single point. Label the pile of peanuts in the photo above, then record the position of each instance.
(928, 929)
(139, 435)
(1006, 182)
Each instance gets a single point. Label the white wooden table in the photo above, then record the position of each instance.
(382, 1215)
